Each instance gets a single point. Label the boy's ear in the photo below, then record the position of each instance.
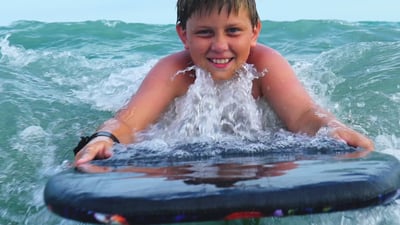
(256, 33)
(182, 35)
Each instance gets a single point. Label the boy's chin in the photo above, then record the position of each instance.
(222, 76)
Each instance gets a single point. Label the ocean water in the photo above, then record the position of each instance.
(59, 81)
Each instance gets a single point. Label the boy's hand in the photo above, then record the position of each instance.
(98, 148)
(351, 137)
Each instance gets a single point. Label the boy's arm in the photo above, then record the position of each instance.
(293, 104)
(160, 87)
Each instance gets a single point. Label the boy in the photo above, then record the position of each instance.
(219, 36)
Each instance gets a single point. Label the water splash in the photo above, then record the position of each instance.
(214, 110)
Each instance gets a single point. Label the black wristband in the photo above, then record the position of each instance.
(105, 134)
(86, 139)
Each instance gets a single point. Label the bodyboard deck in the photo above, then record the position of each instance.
(132, 189)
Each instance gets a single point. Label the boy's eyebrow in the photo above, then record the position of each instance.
(231, 24)
(208, 27)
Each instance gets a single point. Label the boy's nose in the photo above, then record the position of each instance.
(219, 43)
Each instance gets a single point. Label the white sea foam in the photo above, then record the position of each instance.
(215, 109)
(16, 55)
(389, 144)
(113, 92)
(32, 133)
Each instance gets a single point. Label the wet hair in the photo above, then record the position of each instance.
(186, 8)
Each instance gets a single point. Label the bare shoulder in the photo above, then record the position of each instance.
(263, 49)
(277, 68)
(265, 57)
(178, 60)
(167, 73)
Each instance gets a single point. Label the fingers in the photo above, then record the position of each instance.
(365, 143)
(99, 149)
(352, 138)
(85, 155)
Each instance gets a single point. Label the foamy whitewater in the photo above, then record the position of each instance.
(59, 81)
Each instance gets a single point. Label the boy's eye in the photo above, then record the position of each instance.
(233, 30)
(204, 33)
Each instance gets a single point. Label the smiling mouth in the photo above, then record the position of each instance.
(221, 61)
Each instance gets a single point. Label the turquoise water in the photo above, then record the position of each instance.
(59, 81)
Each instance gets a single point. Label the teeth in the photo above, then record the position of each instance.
(220, 61)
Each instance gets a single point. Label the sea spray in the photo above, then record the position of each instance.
(214, 110)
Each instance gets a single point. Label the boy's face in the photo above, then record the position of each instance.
(219, 42)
